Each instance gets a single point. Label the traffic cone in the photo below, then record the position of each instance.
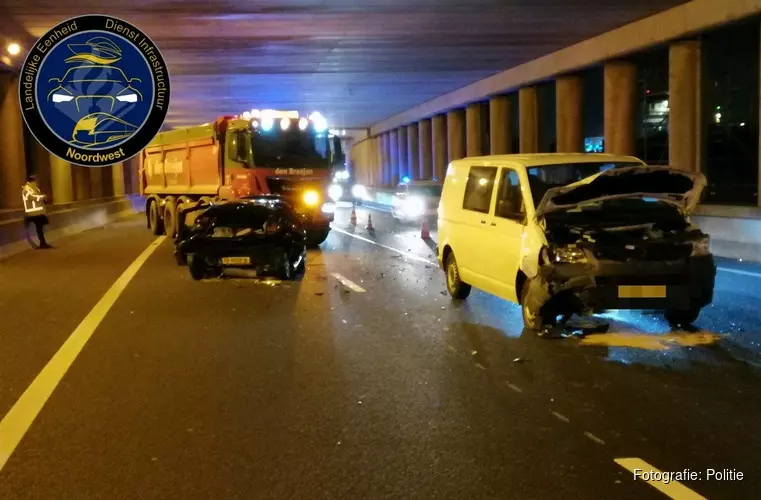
(353, 219)
(425, 233)
(369, 225)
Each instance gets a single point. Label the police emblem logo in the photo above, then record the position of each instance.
(94, 90)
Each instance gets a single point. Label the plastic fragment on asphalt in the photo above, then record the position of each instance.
(518, 360)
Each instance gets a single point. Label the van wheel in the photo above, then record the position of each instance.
(154, 219)
(457, 288)
(682, 317)
(534, 320)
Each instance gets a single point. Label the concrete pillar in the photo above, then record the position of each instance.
(439, 137)
(81, 177)
(499, 125)
(96, 182)
(413, 161)
(684, 105)
(117, 178)
(473, 129)
(569, 97)
(12, 154)
(455, 135)
(528, 120)
(425, 153)
(401, 142)
(61, 180)
(394, 156)
(620, 91)
(39, 163)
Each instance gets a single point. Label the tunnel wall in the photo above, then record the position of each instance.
(65, 219)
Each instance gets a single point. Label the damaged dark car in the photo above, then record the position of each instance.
(257, 236)
(619, 239)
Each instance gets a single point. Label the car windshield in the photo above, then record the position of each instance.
(542, 178)
(432, 191)
(290, 148)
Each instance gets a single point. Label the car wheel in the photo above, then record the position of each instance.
(457, 288)
(154, 219)
(316, 239)
(302, 267)
(533, 320)
(683, 317)
(181, 258)
(286, 269)
(197, 267)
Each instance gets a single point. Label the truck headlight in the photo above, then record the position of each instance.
(413, 206)
(701, 247)
(311, 198)
(358, 191)
(335, 192)
(567, 255)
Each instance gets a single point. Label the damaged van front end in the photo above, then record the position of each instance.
(621, 239)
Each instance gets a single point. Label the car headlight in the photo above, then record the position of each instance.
(335, 192)
(567, 255)
(414, 206)
(311, 198)
(358, 191)
(127, 98)
(701, 247)
(62, 98)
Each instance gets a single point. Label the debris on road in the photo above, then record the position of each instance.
(319, 294)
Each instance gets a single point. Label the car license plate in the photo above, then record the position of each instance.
(642, 292)
(236, 261)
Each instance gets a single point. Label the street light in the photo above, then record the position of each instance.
(14, 49)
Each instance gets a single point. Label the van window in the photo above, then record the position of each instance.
(479, 189)
(509, 197)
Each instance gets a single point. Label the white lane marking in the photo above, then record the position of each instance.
(402, 252)
(672, 489)
(19, 419)
(593, 437)
(347, 282)
(515, 388)
(560, 417)
(739, 271)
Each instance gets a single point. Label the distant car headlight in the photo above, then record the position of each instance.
(311, 198)
(335, 192)
(414, 206)
(62, 98)
(127, 98)
(358, 191)
(701, 247)
(568, 255)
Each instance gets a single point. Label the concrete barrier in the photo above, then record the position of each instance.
(735, 231)
(65, 220)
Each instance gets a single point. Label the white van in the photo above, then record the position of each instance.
(575, 233)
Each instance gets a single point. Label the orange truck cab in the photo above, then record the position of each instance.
(267, 152)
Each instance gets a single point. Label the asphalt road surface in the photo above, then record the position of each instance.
(122, 378)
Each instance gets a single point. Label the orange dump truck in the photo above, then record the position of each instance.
(235, 157)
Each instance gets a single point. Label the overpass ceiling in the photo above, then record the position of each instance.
(356, 61)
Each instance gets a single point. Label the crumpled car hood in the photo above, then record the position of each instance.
(676, 187)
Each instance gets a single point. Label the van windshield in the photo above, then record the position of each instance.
(542, 178)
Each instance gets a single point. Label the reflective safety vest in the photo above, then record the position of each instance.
(34, 200)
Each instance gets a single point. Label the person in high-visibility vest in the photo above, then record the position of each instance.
(34, 209)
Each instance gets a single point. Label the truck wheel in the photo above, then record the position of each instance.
(170, 220)
(316, 239)
(457, 288)
(685, 317)
(197, 267)
(154, 219)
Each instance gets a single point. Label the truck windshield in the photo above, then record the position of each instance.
(290, 148)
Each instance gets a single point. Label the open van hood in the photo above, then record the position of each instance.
(679, 188)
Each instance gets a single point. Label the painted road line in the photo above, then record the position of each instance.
(402, 252)
(347, 282)
(739, 271)
(670, 488)
(18, 420)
